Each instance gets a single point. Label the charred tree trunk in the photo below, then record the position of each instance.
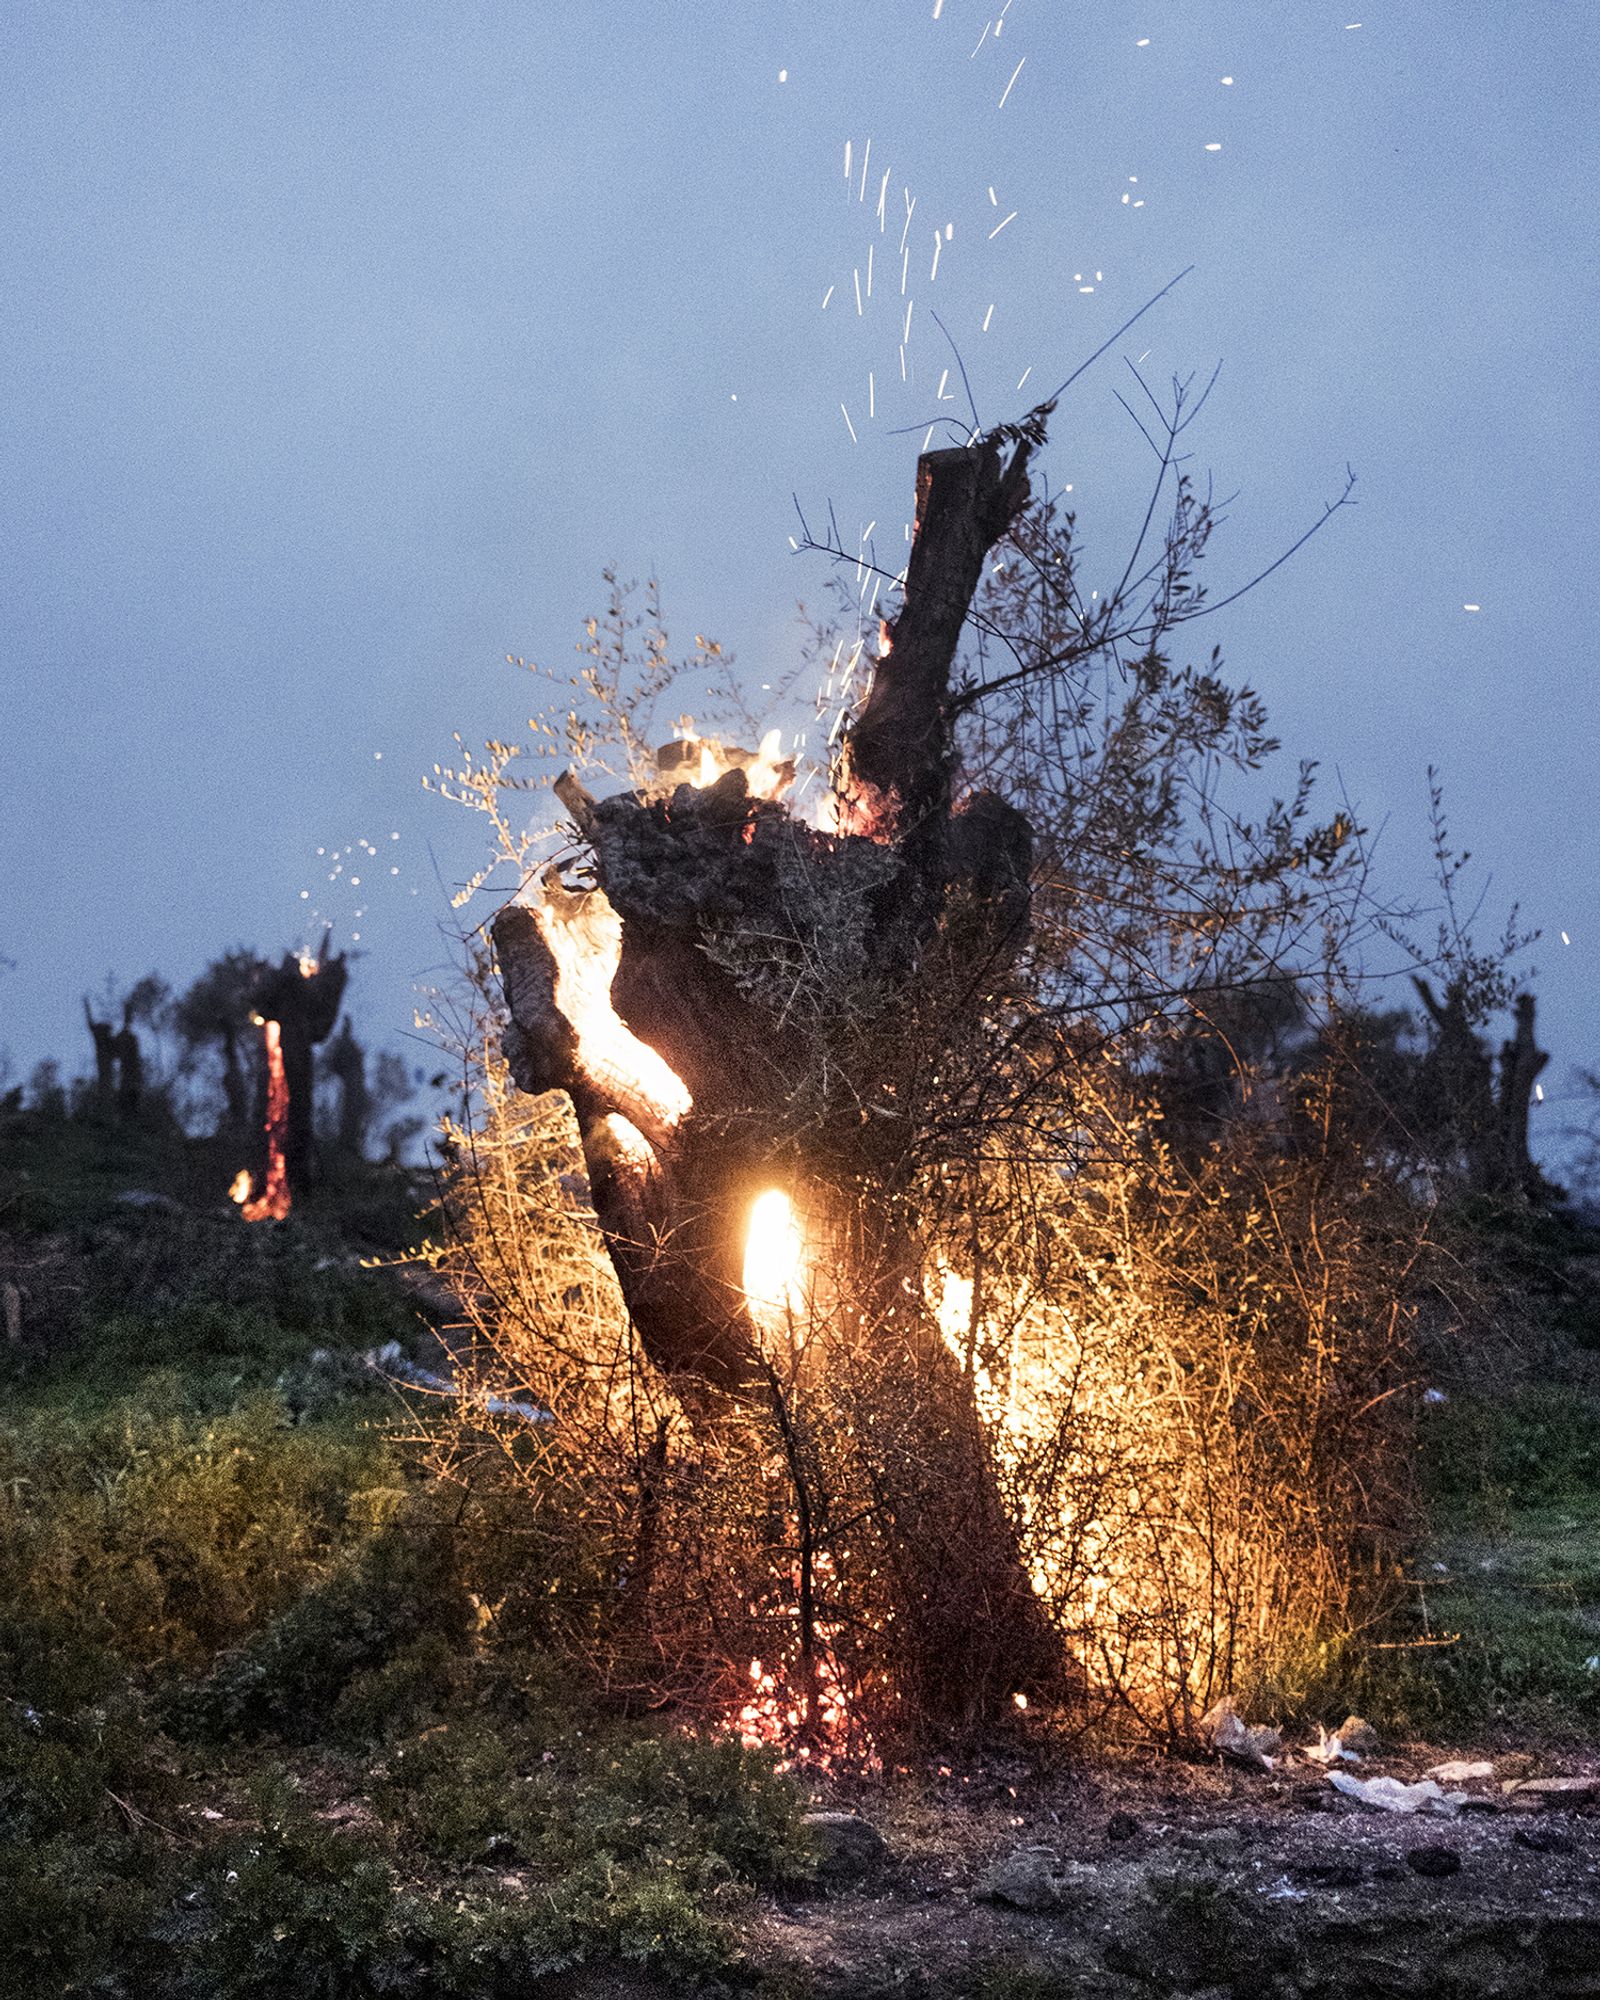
(130, 1068)
(346, 1062)
(104, 1037)
(681, 1078)
(1482, 1118)
(303, 997)
(1521, 1063)
(235, 1092)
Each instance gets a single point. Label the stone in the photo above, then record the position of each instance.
(1225, 1731)
(1560, 1793)
(1458, 1772)
(848, 1846)
(1326, 1874)
(1121, 1826)
(1433, 1862)
(1034, 1879)
(1357, 1735)
(1544, 1840)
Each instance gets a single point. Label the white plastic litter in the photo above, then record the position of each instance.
(1394, 1795)
(1330, 1749)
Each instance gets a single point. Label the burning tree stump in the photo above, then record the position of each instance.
(684, 1068)
(297, 1005)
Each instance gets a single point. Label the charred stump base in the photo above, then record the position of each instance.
(682, 1004)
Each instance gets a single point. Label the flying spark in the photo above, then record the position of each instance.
(1007, 91)
(993, 233)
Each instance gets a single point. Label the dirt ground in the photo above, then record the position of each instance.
(1202, 1879)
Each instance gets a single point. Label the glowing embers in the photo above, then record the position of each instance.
(802, 1710)
(775, 1263)
(584, 935)
(702, 760)
(272, 1204)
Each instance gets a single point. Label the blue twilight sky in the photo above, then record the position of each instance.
(342, 346)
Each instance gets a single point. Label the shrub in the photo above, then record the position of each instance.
(705, 1813)
(152, 1538)
(296, 1907)
(383, 1596)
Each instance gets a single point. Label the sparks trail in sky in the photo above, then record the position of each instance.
(361, 865)
(1000, 81)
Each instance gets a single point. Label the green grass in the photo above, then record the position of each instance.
(253, 1739)
(1509, 1580)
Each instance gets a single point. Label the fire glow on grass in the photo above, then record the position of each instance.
(272, 1204)
(811, 1730)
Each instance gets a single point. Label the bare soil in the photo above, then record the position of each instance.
(1202, 1879)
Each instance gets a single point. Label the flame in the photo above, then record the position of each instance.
(584, 934)
(769, 775)
(272, 1204)
(307, 964)
(701, 760)
(952, 1307)
(774, 1261)
(239, 1186)
(627, 1142)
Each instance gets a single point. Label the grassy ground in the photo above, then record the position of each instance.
(253, 1738)
(1509, 1581)
(259, 1733)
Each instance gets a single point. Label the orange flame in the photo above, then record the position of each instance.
(701, 760)
(272, 1204)
(774, 1273)
(584, 934)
